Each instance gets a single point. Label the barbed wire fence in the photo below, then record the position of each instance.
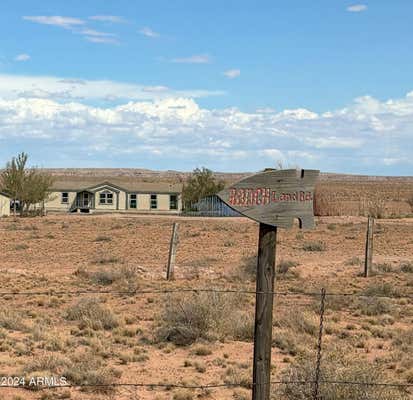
(323, 296)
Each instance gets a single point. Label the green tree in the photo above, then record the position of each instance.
(28, 186)
(200, 184)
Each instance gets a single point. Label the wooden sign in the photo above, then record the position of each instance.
(275, 197)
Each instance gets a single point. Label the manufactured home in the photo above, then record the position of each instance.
(4, 205)
(93, 196)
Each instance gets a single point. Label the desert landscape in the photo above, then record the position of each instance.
(85, 297)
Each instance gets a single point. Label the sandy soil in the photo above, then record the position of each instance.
(46, 255)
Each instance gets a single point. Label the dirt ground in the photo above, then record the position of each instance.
(66, 253)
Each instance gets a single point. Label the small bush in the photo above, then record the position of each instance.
(354, 261)
(285, 269)
(382, 267)
(106, 260)
(336, 366)
(380, 289)
(103, 239)
(11, 320)
(371, 306)
(208, 316)
(90, 313)
(314, 246)
(406, 267)
(87, 369)
(20, 247)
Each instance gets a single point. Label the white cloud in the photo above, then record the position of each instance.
(108, 18)
(232, 73)
(149, 32)
(55, 88)
(92, 32)
(58, 113)
(100, 39)
(22, 57)
(357, 8)
(196, 59)
(56, 20)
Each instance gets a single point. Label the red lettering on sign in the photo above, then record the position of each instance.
(261, 196)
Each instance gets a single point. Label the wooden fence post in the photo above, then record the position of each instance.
(369, 247)
(172, 252)
(263, 312)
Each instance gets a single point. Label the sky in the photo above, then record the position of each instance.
(230, 85)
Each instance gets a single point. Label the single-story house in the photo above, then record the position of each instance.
(115, 196)
(4, 204)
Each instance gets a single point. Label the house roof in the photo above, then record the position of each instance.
(128, 185)
(5, 195)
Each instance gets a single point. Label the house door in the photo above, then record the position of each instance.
(86, 199)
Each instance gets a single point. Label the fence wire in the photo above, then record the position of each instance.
(312, 294)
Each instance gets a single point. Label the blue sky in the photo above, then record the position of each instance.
(233, 85)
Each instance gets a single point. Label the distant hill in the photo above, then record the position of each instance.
(147, 175)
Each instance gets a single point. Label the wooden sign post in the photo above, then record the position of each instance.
(274, 198)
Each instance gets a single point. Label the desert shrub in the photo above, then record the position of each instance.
(87, 369)
(241, 326)
(91, 313)
(53, 363)
(22, 246)
(248, 268)
(314, 246)
(406, 266)
(354, 261)
(284, 266)
(209, 316)
(11, 320)
(336, 366)
(380, 289)
(125, 276)
(102, 260)
(202, 351)
(103, 238)
(382, 267)
(237, 376)
(287, 343)
(372, 306)
(306, 322)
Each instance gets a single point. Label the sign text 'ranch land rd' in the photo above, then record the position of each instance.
(275, 197)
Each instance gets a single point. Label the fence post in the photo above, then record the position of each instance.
(319, 345)
(263, 312)
(172, 252)
(369, 247)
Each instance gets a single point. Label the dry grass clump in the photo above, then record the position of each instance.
(208, 316)
(91, 313)
(248, 269)
(103, 238)
(306, 323)
(337, 366)
(354, 261)
(87, 369)
(406, 267)
(11, 320)
(125, 276)
(316, 245)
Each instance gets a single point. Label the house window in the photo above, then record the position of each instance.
(106, 198)
(65, 197)
(173, 202)
(133, 202)
(154, 201)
